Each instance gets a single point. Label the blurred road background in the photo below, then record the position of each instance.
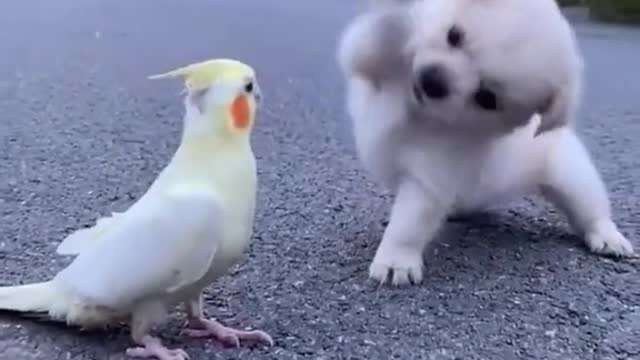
(82, 132)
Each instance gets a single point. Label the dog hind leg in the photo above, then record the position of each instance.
(573, 184)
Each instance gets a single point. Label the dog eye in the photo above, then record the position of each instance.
(455, 37)
(248, 87)
(486, 99)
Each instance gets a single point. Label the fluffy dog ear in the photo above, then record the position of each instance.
(373, 45)
(560, 107)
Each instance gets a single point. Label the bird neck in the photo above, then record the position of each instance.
(204, 146)
(211, 161)
(205, 135)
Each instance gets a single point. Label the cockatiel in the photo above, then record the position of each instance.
(191, 225)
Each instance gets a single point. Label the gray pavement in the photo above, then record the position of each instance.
(82, 132)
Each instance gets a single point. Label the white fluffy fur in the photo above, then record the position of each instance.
(448, 156)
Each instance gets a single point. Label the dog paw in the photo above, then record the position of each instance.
(604, 238)
(404, 266)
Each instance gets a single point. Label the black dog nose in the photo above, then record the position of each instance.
(433, 81)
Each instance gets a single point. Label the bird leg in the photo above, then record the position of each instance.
(199, 326)
(152, 347)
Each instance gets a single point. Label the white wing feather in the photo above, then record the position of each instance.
(159, 246)
(81, 239)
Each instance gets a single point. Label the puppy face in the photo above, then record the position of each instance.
(492, 64)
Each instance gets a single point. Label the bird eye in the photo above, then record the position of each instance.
(455, 37)
(248, 87)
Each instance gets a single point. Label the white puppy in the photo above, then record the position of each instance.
(457, 104)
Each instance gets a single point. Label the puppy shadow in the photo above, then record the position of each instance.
(505, 231)
(483, 246)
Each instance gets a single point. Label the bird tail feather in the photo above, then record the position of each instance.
(30, 298)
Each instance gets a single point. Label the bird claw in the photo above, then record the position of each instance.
(201, 328)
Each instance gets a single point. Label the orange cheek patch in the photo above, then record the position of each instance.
(240, 112)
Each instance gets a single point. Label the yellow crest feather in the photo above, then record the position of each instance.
(200, 75)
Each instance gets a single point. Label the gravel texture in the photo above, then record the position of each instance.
(82, 133)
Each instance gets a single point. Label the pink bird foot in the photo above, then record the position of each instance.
(152, 347)
(200, 327)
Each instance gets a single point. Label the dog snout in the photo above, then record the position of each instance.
(432, 81)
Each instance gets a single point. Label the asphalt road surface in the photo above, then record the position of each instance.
(82, 133)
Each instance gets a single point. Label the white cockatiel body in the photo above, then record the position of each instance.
(193, 223)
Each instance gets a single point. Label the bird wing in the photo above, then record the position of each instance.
(164, 244)
(79, 240)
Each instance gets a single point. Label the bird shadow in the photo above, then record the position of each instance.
(112, 339)
(43, 322)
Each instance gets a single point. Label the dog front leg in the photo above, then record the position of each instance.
(415, 219)
(573, 184)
